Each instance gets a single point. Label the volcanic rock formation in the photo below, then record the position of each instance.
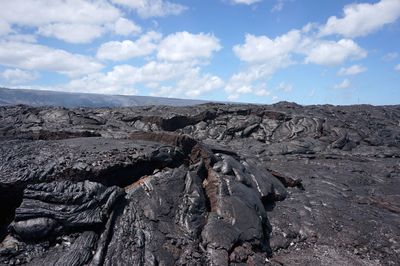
(211, 184)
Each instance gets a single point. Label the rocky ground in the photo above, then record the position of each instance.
(211, 184)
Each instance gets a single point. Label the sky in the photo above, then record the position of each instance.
(258, 51)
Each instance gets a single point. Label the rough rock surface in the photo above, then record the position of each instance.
(211, 184)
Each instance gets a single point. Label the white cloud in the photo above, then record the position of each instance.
(152, 8)
(261, 48)
(363, 19)
(18, 76)
(246, 2)
(72, 32)
(343, 85)
(240, 82)
(180, 46)
(192, 85)
(390, 56)
(278, 6)
(127, 76)
(39, 57)
(262, 92)
(161, 71)
(333, 53)
(127, 49)
(264, 56)
(74, 21)
(248, 81)
(283, 86)
(120, 80)
(397, 67)
(234, 91)
(42, 12)
(183, 46)
(4, 28)
(21, 38)
(187, 80)
(352, 70)
(126, 27)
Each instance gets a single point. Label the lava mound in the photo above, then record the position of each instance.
(210, 184)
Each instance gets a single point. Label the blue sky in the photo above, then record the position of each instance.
(260, 51)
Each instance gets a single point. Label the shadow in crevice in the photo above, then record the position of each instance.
(11, 199)
(124, 176)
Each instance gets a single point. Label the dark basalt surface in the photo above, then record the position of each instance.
(210, 184)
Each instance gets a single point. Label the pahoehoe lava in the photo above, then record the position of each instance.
(210, 184)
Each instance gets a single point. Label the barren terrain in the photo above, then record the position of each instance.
(211, 184)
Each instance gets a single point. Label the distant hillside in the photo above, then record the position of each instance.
(67, 99)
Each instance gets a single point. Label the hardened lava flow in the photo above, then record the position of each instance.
(210, 184)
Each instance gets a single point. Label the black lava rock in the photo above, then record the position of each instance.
(211, 184)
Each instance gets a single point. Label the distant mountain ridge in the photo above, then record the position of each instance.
(69, 99)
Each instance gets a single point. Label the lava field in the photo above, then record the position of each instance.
(210, 184)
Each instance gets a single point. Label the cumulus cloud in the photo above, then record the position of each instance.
(120, 80)
(352, 70)
(180, 46)
(126, 27)
(74, 21)
(261, 48)
(18, 76)
(264, 56)
(363, 18)
(192, 85)
(342, 85)
(187, 79)
(249, 80)
(183, 46)
(278, 51)
(72, 32)
(155, 71)
(42, 12)
(118, 51)
(152, 8)
(334, 53)
(240, 83)
(245, 2)
(32, 56)
(122, 76)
